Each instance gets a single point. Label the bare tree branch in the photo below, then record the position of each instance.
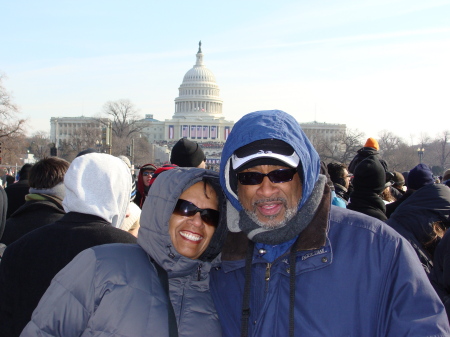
(124, 116)
(9, 123)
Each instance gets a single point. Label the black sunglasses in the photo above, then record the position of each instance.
(186, 208)
(276, 176)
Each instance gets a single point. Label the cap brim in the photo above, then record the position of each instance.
(291, 161)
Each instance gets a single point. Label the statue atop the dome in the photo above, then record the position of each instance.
(200, 47)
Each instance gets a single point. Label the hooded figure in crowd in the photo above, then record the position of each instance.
(370, 148)
(115, 289)
(97, 194)
(143, 185)
(295, 265)
(414, 220)
(43, 204)
(368, 182)
(420, 176)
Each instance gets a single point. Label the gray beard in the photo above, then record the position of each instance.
(271, 223)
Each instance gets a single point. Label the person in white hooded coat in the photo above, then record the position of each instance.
(96, 199)
(115, 290)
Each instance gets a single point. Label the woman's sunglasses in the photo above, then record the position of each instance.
(186, 208)
(147, 173)
(276, 176)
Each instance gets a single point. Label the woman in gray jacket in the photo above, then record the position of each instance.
(115, 290)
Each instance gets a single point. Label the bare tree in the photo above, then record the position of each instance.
(39, 145)
(438, 151)
(124, 117)
(9, 123)
(341, 148)
(14, 147)
(389, 148)
(351, 142)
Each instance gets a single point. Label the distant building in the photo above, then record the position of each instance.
(323, 131)
(63, 129)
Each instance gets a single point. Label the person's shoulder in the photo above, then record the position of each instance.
(342, 219)
(128, 262)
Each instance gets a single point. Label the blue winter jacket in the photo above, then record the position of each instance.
(355, 276)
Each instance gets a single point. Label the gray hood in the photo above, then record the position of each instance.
(98, 184)
(154, 235)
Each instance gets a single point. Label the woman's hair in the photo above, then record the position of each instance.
(207, 183)
(387, 195)
(439, 229)
(48, 172)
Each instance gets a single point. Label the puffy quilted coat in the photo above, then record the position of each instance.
(114, 290)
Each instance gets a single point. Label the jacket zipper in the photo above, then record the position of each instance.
(267, 275)
(199, 271)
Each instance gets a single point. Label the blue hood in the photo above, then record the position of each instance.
(266, 124)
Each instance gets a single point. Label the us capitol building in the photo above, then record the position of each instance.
(198, 116)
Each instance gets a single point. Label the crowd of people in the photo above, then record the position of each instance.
(277, 243)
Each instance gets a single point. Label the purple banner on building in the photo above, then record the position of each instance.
(193, 129)
(184, 131)
(171, 132)
(205, 132)
(199, 131)
(213, 132)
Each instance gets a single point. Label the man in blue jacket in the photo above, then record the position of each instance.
(293, 265)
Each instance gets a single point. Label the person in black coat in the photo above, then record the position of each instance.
(98, 190)
(16, 192)
(370, 148)
(368, 183)
(44, 203)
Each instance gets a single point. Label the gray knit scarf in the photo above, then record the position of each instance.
(242, 222)
(58, 191)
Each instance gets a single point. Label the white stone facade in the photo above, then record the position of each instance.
(62, 129)
(326, 131)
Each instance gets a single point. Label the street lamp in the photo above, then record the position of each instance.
(420, 152)
(98, 143)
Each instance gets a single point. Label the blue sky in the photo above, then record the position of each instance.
(371, 64)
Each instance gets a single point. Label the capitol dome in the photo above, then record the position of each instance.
(199, 74)
(199, 93)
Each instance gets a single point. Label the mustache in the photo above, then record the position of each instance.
(256, 203)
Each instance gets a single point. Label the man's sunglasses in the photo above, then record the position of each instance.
(276, 176)
(186, 208)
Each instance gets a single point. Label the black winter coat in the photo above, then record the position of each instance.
(30, 263)
(368, 203)
(16, 195)
(362, 154)
(31, 215)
